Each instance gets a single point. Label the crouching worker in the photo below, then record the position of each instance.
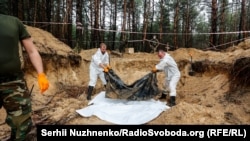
(14, 93)
(171, 70)
(98, 66)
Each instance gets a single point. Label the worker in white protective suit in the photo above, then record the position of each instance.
(98, 66)
(168, 65)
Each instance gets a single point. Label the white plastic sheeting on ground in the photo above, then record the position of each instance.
(123, 112)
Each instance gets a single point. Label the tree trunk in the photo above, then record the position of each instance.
(176, 22)
(242, 24)
(213, 41)
(123, 34)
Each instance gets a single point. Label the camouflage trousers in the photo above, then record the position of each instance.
(15, 98)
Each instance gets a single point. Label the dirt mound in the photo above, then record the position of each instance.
(218, 92)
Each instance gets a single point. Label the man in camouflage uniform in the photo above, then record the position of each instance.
(14, 93)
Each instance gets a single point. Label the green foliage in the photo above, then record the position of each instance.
(184, 23)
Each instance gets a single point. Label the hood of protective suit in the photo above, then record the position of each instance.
(4, 7)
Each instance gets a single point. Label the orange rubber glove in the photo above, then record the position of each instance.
(109, 67)
(43, 82)
(106, 69)
(154, 69)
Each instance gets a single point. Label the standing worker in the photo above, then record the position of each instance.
(98, 65)
(14, 93)
(171, 70)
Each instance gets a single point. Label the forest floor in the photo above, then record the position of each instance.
(218, 92)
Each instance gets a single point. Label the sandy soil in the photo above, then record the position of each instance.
(211, 96)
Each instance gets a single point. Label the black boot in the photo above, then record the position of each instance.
(172, 101)
(163, 96)
(90, 89)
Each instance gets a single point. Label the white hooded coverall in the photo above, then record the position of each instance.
(172, 73)
(95, 70)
